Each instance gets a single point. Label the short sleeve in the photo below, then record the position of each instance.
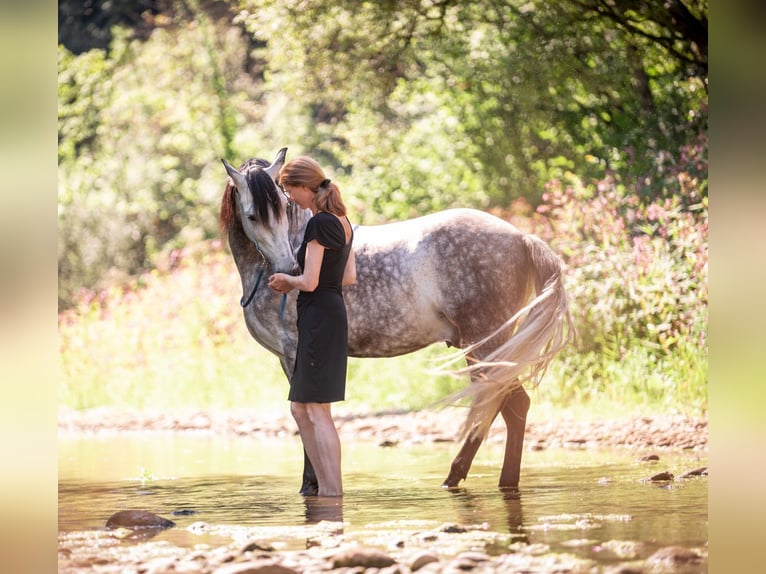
(327, 230)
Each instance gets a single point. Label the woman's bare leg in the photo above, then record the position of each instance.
(322, 444)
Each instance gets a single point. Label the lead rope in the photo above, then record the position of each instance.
(244, 303)
(282, 311)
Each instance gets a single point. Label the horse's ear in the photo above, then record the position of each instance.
(238, 179)
(277, 164)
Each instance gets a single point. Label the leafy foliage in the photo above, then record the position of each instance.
(136, 157)
(584, 121)
(537, 88)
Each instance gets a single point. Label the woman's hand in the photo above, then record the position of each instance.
(281, 282)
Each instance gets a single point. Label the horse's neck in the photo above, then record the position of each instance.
(298, 219)
(247, 258)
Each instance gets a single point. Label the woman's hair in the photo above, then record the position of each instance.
(304, 171)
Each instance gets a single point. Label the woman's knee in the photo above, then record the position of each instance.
(311, 413)
(299, 412)
(318, 413)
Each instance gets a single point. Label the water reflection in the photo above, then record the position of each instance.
(565, 497)
(319, 508)
(512, 500)
(484, 505)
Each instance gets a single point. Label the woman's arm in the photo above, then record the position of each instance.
(308, 281)
(349, 273)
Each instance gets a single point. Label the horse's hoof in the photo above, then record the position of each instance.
(310, 489)
(137, 519)
(452, 481)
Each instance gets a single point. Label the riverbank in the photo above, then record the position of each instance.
(666, 431)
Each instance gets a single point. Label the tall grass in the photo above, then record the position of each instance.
(177, 340)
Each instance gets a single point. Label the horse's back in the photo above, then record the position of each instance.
(449, 276)
(460, 222)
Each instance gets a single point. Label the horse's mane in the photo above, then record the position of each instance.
(264, 193)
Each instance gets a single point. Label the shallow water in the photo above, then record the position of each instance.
(597, 504)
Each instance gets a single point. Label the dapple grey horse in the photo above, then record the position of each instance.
(461, 276)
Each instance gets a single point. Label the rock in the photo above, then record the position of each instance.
(672, 557)
(134, 519)
(453, 528)
(255, 567)
(198, 527)
(473, 556)
(184, 512)
(422, 559)
(255, 545)
(650, 457)
(364, 557)
(662, 477)
(702, 471)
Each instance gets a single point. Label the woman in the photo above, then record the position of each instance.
(327, 261)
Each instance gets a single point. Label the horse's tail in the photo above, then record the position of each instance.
(538, 332)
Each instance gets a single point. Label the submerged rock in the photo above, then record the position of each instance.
(136, 519)
(453, 528)
(702, 471)
(662, 477)
(672, 557)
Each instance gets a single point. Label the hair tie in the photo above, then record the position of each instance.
(325, 183)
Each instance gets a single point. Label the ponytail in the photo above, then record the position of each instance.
(329, 198)
(305, 171)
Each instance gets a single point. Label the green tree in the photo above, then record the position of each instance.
(141, 129)
(538, 88)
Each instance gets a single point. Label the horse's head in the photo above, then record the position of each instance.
(252, 191)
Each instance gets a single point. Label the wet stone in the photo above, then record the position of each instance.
(702, 471)
(662, 477)
(474, 556)
(184, 512)
(422, 559)
(461, 565)
(257, 546)
(255, 567)
(674, 557)
(625, 569)
(365, 557)
(198, 527)
(453, 528)
(134, 519)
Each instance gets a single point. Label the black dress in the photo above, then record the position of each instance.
(319, 375)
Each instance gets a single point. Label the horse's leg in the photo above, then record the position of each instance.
(514, 410)
(462, 462)
(310, 486)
